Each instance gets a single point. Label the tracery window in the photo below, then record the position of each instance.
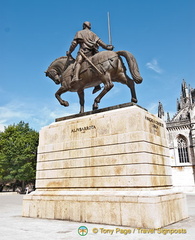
(182, 150)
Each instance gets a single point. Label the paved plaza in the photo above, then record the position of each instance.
(15, 227)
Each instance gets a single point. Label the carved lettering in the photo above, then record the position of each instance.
(154, 121)
(83, 129)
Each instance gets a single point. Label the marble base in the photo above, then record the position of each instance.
(109, 167)
(144, 209)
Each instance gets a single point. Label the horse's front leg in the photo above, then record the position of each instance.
(107, 86)
(81, 100)
(58, 94)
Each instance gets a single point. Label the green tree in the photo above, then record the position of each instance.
(18, 153)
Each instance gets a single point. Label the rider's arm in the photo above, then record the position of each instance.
(72, 47)
(105, 46)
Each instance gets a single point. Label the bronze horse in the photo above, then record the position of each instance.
(107, 67)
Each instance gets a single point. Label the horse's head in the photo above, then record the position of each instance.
(53, 74)
(56, 69)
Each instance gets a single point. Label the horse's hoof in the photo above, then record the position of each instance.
(65, 103)
(134, 100)
(81, 111)
(95, 106)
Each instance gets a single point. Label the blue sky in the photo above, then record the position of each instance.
(159, 33)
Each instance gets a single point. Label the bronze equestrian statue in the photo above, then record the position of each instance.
(94, 68)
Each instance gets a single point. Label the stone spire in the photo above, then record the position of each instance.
(168, 117)
(160, 110)
(184, 97)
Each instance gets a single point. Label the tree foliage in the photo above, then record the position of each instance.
(18, 153)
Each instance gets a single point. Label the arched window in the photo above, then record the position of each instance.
(182, 149)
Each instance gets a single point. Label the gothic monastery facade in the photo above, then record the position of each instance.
(181, 137)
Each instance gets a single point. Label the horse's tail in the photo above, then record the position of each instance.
(133, 67)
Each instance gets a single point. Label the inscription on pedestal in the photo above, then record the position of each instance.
(154, 121)
(154, 125)
(83, 129)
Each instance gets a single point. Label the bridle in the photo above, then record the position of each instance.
(52, 74)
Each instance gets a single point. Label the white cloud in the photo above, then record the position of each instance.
(154, 66)
(36, 114)
(11, 110)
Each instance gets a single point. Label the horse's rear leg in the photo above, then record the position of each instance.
(108, 84)
(125, 79)
(58, 94)
(131, 85)
(81, 100)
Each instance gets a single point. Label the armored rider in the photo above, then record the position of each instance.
(89, 43)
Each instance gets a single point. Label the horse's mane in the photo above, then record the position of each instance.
(58, 59)
(58, 63)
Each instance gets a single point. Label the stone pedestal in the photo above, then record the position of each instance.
(109, 167)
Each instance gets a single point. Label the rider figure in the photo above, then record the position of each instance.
(89, 43)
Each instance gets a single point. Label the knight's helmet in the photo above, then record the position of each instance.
(87, 24)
